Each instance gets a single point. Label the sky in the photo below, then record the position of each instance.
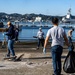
(46, 7)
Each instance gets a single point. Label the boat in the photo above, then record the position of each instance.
(68, 18)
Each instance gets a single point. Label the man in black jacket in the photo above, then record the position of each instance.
(11, 38)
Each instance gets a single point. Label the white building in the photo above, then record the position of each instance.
(38, 19)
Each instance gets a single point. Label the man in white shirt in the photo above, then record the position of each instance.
(40, 36)
(58, 35)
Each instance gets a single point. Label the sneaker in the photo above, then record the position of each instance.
(7, 57)
(13, 58)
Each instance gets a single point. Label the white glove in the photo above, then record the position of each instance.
(44, 50)
(3, 34)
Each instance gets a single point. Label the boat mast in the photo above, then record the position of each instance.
(69, 11)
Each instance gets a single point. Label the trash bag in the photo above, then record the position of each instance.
(69, 63)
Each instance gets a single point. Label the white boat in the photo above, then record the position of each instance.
(68, 18)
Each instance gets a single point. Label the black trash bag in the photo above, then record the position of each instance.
(69, 63)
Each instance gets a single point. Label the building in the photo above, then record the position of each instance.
(38, 19)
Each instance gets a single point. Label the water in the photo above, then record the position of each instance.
(26, 34)
(29, 33)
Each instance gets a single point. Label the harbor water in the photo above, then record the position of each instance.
(27, 32)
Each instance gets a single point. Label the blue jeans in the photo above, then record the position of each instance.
(41, 41)
(56, 56)
(10, 48)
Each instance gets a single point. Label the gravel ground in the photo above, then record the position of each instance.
(34, 62)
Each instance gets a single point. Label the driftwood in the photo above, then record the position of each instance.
(3, 29)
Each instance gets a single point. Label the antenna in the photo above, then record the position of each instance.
(70, 8)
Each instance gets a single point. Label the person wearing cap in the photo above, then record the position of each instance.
(58, 36)
(70, 37)
(40, 36)
(11, 39)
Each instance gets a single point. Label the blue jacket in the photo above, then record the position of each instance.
(11, 33)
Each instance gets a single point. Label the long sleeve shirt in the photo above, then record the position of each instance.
(11, 33)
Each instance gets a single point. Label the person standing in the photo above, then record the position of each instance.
(70, 38)
(57, 34)
(16, 34)
(40, 36)
(4, 40)
(11, 39)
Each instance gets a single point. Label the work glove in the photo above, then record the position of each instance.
(3, 34)
(44, 50)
